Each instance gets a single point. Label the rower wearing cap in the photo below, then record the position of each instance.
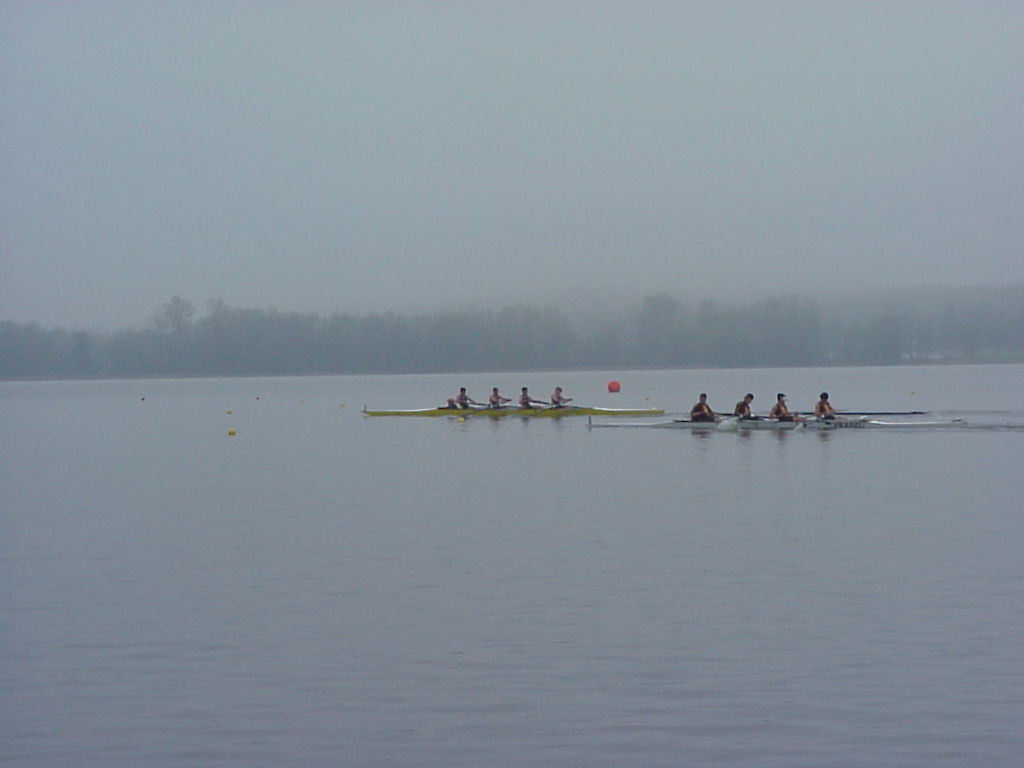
(779, 410)
(701, 411)
(742, 409)
(823, 408)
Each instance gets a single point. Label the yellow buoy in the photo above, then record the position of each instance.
(231, 433)
(230, 412)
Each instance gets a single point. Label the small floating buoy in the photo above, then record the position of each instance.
(229, 412)
(231, 433)
(614, 386)
(343, 405)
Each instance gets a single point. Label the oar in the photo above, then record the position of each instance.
(882, 413)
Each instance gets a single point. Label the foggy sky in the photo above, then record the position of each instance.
(321, 156)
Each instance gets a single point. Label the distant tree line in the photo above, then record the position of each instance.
(929, 325)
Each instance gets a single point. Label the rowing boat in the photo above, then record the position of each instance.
(734, 424)
(880, 413)
(421, 412)
(664, 424)
(866, 423)
(728, 424)
(523, 413)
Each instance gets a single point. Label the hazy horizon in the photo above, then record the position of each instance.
(322, 157)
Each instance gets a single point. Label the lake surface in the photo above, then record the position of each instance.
(325, 589)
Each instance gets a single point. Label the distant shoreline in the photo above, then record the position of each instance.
(581, 369)
(958, 328)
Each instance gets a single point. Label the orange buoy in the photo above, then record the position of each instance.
(614, 386)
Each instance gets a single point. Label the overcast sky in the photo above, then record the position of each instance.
(321, 156)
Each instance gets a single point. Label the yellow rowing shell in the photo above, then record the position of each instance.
(523, 413)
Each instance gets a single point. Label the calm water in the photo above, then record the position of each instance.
(324, 589)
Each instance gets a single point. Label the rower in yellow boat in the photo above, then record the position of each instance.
(497, 400)
(461, 401)
(558, 400)
(525, 401)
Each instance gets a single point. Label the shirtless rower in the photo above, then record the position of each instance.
(462, 400)
(525, 401)
(558, 400)
(496, 400)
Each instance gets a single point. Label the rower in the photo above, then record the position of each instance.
(823, 408)
(779, 410)
(742, 409)
(701, 411)
(525, 401)
(558, 400)
(462, 400)
(495, 400)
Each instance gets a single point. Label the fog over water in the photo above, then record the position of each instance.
(410, 156)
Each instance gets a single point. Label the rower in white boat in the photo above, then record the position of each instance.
(742, 409)
(780, 411)
(701, 411)
(558, 400)
(823, 408)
